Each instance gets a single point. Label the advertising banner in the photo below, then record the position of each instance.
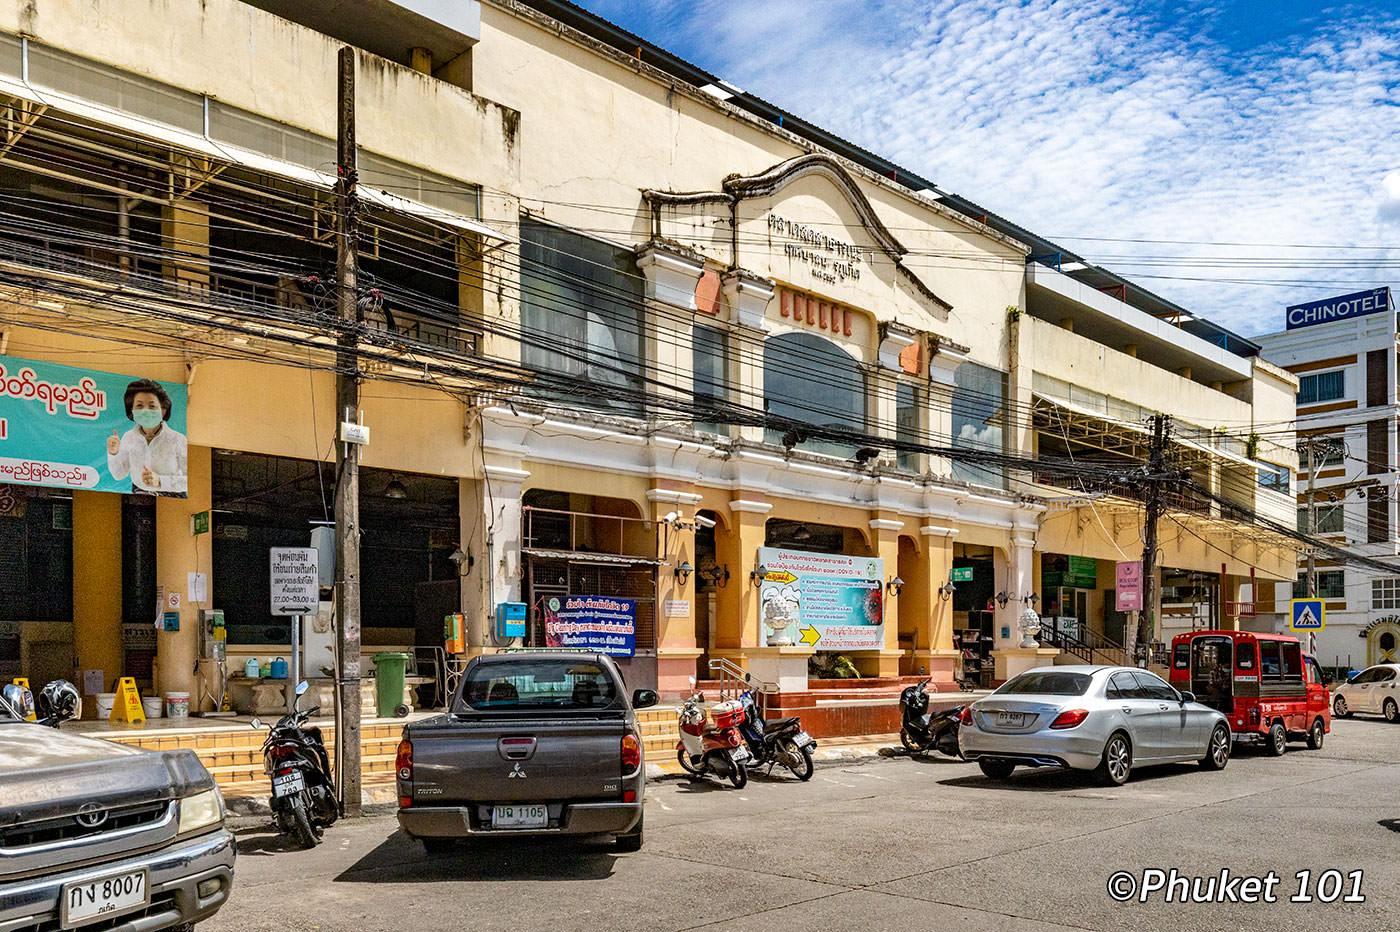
(591, 622)
(1129, 586)
(829, 600)
(73, 428)
(1356, 304)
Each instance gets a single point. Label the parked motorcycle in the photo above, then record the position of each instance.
(717, 748)
(918, 731)
(781, 741)
(303, 792)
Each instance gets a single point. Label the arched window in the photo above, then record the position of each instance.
(809, 379)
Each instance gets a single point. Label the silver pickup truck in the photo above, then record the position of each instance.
(99, 836)
(536, 742)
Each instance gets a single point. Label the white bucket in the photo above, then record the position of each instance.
(105, 701)
(177, 705)
(152, 706)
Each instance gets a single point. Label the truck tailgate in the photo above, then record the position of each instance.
(465, 759)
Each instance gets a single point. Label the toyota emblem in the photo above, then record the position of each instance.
(91, 815)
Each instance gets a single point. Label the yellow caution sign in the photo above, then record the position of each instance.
(127, 708)
(24, 682)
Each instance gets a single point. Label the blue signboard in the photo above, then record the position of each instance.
(591, 622)
(1356, 304)
(76, 428)
(1308, 615)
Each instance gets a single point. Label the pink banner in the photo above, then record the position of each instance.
(1129, 586)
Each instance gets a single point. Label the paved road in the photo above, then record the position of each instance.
(893, 843)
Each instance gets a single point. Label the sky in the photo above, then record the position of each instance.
(1233, 156)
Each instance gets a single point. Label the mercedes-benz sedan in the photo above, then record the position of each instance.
(1105, 719)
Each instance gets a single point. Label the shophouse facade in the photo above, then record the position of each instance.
(628, 336)
(1344, 351)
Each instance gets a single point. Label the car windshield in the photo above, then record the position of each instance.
(539, 684)
(1045, 683)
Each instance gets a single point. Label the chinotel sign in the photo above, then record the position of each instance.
(830, 260)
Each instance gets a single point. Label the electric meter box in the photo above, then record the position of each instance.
(510, 620)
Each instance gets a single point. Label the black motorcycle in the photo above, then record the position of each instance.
(918, 731)
(781, 741)
(303, 792)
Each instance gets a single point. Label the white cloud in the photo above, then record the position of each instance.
(1083, 119)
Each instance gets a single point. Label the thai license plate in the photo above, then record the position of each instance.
(520, 817)
(288, 784)
(86, 900)
(741, 754)
(1015, 719)
(803, 739)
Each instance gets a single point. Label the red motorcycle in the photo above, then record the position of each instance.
(713, 748)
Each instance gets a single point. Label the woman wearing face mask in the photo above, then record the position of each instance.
(152, 453)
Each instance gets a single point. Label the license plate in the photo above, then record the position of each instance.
(287, 784)
(86, 900)
(520, 817)
(803, 739)
(741, 754)
(1016, 719)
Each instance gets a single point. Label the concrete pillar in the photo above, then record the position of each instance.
(884, 541)
(676, 649)
(503, 559)
(671, 276)
(420, 59)
(179, 553)
(747, 297)
(499, 304)
(1010, 659)
(737, 626)
(97, 604)
(933, 639)
(941, 368)
(185, 228)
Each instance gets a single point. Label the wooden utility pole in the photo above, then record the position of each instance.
(347, 459)
(1312, 518)
(1156, 474)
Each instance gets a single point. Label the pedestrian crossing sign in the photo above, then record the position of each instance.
(1308, 615)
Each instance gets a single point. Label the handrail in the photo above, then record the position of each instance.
(731, 671)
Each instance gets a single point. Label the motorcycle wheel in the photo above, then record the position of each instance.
(798, 760)
(683, 759)
(738, 775)
(303, 831)
(909, 742)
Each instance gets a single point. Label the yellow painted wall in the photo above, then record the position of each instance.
(97, 586)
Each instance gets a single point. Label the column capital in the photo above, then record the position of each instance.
(673, 497)
(895, 338)
(671, 272)
(934, 530)
(745, 505)
(945, 358)
(506, 474)
(1023, 542)
(748, 295)
(885, 524)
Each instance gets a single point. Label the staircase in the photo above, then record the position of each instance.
(1087, 646)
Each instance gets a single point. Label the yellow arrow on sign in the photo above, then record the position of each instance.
(780, 576)
(810, 635)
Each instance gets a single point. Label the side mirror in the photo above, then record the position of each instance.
(256, 723)
(692, 681)
(302, 687)
(1187, 697)
(642, 698)
(1328, 679)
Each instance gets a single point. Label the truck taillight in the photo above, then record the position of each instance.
(403, 760)
(631, 753)
(1254, 716)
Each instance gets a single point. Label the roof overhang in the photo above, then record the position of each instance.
(388, 28)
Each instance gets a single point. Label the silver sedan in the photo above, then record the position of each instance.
(1105, 719)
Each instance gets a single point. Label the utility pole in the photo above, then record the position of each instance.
(1312, 517)
(1156, 469)
(347, 458)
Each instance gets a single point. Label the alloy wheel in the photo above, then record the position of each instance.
(1118, 758)
(1220, 747)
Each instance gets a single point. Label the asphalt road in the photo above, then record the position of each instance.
(893, 843)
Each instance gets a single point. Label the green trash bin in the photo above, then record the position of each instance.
(390, 668)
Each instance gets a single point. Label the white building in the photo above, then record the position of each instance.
(1344, 352)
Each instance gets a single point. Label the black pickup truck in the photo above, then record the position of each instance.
(535, 742)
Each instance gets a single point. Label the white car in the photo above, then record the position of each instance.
(1374, 689)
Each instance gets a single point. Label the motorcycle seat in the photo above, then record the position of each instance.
(779, 724)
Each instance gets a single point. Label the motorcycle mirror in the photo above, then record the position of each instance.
(692, 681)
(302, 687)
(256, 723)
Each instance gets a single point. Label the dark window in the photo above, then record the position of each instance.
(1331, 584)
(539, 684)
(813, 381)
(1330, 518)
(581, 317)
(1327, 451)
(979, 413)
(1384, 675)
(1270, 666)
(1123, 686)
(36, 538)
(1324, 386)
(1181, 657)
(1275, 477)
(1366, 676)
(906, 423)
(1314, 673)
(1377, 378)
(1292, 653)
(1045, 683)
(1244, 656)
(1154, 687)
(1377, 447)
(710, 381)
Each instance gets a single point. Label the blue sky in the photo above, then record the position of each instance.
(1256, 143)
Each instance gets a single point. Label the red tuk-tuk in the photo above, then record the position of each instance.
(1268, 687)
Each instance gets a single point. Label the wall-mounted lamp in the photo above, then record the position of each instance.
(1002, 598)
(683, 572)
(462, 560)
(756, 577)
(719, 575)
(945, 591)
(894, 585)
(1032, 599)
(395, 489)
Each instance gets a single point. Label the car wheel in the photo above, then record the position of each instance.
(632, 841)
(1316, 734)
(996, 769)
(1218, 750)
(1339, 707)
(1391, 711)
(1117, 762)
(1278, 740)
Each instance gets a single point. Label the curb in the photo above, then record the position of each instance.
(863, 748)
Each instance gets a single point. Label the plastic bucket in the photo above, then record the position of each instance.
(152, 706)
(105, 701)
(177, 705)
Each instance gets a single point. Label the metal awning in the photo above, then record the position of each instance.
(1099, 429)
(584, 556)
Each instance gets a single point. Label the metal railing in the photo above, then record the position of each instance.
(734, 679)
(1089, 646)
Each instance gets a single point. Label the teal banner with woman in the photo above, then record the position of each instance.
(75, 428)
